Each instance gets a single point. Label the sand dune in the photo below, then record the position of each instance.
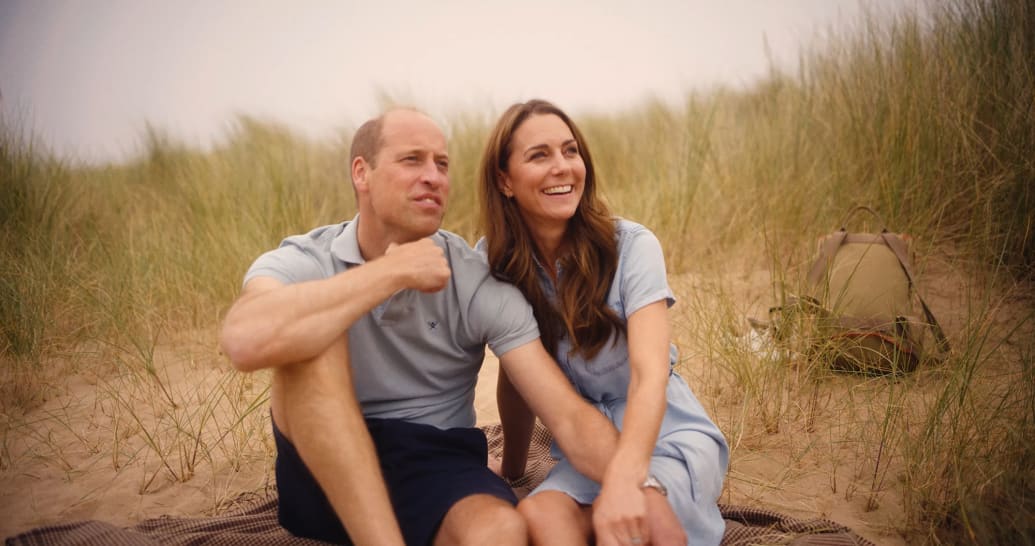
(111, 441)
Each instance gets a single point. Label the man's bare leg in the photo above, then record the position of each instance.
(482, 519)
(315, 407)
(555, 518)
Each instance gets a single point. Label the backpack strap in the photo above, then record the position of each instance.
(827, 248)
(829, 245)
(858, 208)
(898, 247)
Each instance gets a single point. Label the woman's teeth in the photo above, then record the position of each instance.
(557, 190)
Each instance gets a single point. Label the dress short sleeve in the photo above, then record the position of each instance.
(641, 277)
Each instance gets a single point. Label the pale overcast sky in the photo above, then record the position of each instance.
(87, 75)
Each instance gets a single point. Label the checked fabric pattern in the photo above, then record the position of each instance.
(254, 520)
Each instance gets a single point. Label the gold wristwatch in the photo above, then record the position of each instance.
(654, 484)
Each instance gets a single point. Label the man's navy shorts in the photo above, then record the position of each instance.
(426, 469)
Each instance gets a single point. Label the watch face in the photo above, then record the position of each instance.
(653, 483)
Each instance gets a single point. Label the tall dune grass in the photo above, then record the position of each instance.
(930, 118)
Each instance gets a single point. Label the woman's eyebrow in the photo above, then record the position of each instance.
(536, 147)
(545, 145)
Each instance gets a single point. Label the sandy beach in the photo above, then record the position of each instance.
(120, 443)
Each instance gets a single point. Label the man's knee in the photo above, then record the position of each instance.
(307, 387)
(502, 525)
(482, 519)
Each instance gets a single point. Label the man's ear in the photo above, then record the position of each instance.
(360, 170)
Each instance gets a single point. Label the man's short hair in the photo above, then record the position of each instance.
(367, 141)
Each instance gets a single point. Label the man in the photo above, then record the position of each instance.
(375, 330)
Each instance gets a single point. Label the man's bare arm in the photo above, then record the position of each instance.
(273, 324)
(584, 434)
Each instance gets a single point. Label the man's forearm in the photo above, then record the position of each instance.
(588, 439)
(274, 324)
(585, 435)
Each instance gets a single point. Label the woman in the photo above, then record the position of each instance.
(598, 287)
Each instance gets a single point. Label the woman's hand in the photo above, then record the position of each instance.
(620, 515)
(665, 527)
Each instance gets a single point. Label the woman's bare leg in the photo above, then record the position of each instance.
(555, 518)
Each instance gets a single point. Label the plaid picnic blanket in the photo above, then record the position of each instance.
(254, 520)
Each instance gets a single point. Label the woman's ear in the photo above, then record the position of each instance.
(504, 184)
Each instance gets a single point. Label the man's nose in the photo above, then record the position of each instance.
(432, 174)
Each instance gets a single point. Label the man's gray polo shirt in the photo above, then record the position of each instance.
(416, 356)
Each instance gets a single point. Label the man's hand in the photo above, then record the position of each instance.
(421, 264)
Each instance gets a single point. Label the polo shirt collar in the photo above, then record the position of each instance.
(346, 245)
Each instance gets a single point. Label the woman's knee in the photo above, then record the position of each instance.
(549, 508)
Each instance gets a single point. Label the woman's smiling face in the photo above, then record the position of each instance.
(545, 171)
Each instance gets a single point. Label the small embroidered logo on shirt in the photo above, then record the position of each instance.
(432, 325)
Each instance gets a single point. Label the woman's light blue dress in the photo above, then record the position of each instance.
(691, 455)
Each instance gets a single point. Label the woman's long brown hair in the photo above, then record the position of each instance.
(588, 267)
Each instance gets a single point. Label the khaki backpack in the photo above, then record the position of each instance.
(859, 311)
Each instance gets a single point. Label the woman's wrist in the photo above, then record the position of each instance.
(652, 482)
(511, 470)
